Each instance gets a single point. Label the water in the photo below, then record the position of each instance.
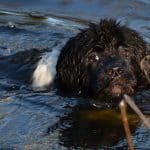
(45, 120)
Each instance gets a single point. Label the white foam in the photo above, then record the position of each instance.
(45, 71)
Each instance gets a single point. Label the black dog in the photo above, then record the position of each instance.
(102, 61)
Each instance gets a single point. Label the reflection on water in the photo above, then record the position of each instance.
(45, 120)
(91, 128)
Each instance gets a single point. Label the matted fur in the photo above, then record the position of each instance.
(115, 46)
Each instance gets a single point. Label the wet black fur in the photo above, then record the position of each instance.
(104, 38)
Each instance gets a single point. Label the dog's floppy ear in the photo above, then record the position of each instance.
(145, 66)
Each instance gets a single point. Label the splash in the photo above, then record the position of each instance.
(45, 72)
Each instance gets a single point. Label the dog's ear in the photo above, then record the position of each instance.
(145, 66)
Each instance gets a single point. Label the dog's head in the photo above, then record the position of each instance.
(101, 61)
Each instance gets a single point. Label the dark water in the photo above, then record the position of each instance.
(45, 120)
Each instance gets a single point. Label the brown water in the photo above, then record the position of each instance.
(46, 120)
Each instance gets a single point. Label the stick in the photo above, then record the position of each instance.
(145, 120)
(122, 107)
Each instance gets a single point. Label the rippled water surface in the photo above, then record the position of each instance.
(31, 119)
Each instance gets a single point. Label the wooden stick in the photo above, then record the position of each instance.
(145, 120)
(122, 107)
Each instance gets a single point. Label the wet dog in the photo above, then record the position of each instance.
(102, 61)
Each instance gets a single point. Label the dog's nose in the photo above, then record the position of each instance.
(115, 72)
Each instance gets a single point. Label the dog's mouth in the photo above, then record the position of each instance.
(109, 90)
(116, 90)
(120, 86)
(119, 90)
(112, 91)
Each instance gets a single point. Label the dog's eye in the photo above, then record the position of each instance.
(93, 58)
(123, 52)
